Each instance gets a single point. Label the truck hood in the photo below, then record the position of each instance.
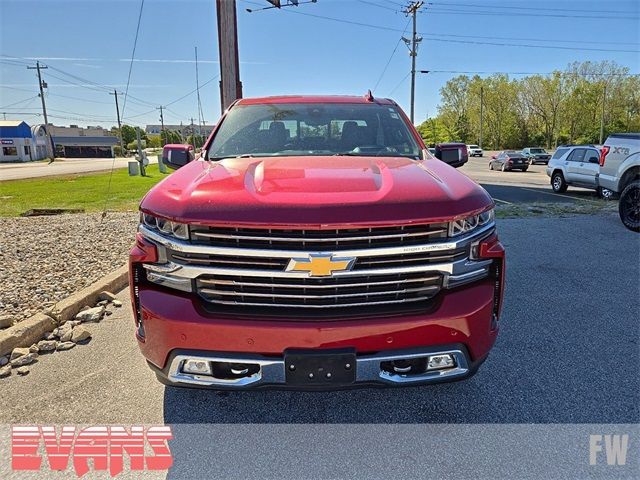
(315, 191)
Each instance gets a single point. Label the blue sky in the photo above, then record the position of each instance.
(286, 51)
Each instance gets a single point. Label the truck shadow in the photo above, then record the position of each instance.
(425, 404)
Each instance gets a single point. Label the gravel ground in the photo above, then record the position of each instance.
(45, 259)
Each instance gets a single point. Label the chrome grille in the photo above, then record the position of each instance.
(333, 240)
(248, 275)
(318, 292)
(280, 263)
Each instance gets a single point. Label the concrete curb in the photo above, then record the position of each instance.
(29, 331)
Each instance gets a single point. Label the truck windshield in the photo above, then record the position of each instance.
(313, 129)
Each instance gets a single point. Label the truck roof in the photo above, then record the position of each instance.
(314, 99)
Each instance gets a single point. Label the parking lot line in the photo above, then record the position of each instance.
(502, 201)
(550, 193)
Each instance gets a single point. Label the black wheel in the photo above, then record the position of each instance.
(557, 183)
(629, 206)
(525, 169)
(490, 165)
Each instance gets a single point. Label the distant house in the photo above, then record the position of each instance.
(21, 143)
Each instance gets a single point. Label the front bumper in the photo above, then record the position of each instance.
(369, 370)
(175, 323)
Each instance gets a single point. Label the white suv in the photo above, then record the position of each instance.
(474, 151)
(576, 165)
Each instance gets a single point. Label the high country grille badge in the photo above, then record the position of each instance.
(320, 264)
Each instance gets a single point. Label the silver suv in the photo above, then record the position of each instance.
(620, 172)
(576, 165)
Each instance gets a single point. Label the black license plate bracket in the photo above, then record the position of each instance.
(326, 368)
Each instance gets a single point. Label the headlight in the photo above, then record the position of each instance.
(470, 223)
(164, 226)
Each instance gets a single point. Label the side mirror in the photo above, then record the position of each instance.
(176, 156)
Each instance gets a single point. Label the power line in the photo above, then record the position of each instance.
(513, 7)
(395, 10)
(20, 101)
(384, 70)
(399, 83)
(126, 92)
(525, 14)
(500, 44)
(133, 54)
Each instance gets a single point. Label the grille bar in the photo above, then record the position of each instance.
(371, 283)
(210, 291)
(240, 237)
(338, 305)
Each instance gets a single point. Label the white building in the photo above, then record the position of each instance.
(21, 143)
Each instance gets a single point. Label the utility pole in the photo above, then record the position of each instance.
(604, 98)
(42, 86)
(162, 124)
(115, 94)
(481, 114)
(230, 86)
(412, 10)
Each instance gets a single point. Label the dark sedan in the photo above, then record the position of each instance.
(536, 155)
(509, 160)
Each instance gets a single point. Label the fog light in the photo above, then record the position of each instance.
(197, 367)
(436, 362)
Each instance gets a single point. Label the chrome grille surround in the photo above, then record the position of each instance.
(255, 278)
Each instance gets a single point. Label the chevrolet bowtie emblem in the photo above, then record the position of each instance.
(320, 264)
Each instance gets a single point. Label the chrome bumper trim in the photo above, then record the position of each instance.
(186, 247)
(272, 371)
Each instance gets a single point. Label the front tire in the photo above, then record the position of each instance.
(490, 165)
(629, 206)
(557, 183)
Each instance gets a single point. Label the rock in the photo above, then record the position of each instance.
(92, 315)
(23, 370)
(47, 345)
(24, 360)
(80, 334)
(50, 336)
(66, 335)
(18, 352)
(65, 346)
(117, 303)
(34, 349)
(102, 303)
(3, 361)
(106, 296)
(5, 371)
(108, 313)
(6, 321)
(86, 307)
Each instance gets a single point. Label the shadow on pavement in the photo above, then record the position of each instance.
(521, 194)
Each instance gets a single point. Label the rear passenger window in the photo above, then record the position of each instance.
(577, 155)
(559, 152)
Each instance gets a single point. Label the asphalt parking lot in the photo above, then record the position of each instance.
(520, 187)
(567, 353)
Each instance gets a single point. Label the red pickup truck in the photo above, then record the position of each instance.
(316, 244)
